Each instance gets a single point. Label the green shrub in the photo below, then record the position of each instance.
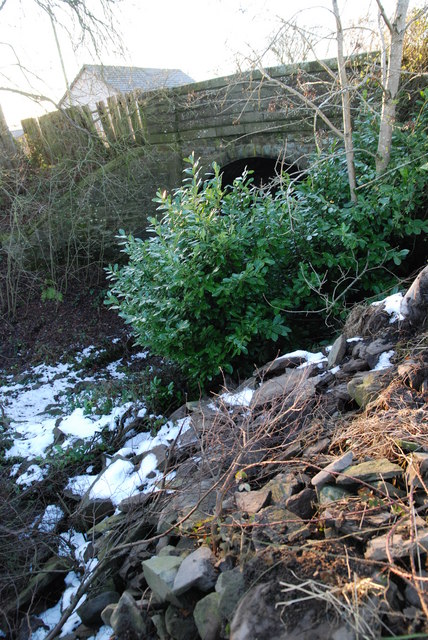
(196, 291)
(225, 271)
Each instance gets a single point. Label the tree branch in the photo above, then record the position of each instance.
(384, 16)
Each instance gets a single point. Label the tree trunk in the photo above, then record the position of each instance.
(346, 105)
(396, 29)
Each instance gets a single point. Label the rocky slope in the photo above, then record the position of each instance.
(294, 506)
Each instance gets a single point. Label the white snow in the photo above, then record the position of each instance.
(384, 361)
(79, 485)
(79, 425)
(240, 399)
(119, 481)
(112, 369)
(311, 358)
(142, 355)
(143, 442)
(52, 616)
(104, 633)
(34, 473)
(354, 339)
(392, 306)
(51, 517)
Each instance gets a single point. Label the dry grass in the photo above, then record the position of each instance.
(383, 434)
(356, 603)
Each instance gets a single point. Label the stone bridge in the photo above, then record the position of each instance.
(251, 120)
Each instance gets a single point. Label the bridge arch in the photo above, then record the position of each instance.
(265, 161)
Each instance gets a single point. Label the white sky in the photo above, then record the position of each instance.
(201, 37)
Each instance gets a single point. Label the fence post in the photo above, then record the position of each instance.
(8, 149)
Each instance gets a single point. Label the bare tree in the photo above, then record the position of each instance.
(396, 30)
(346, 104)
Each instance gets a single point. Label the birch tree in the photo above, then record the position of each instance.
(346, 105)
(388, 79)
(396, 30)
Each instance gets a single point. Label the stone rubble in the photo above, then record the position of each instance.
(235, 509)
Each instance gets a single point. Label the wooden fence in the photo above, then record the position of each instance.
(76, 132)
(8, 148)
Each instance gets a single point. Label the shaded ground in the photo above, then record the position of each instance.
(45, 331)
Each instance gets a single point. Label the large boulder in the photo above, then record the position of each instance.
(197, 570)
(90, 611)
(160, 573)
(414, 305)
(127, 621)
(208, 617)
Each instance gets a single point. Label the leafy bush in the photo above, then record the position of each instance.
(196, 291)
(224, 268)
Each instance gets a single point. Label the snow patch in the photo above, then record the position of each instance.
(240, 399)
(392, 305)
(384, 361)
(52, 515)
(34, 473)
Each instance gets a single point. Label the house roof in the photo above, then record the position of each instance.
(125, 79)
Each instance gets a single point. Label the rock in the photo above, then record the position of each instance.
(53, 569)
(354, 365)
(135, 502)
(160, 452)
(230, 586)
(276, 526)
(374, 350)
(295, 382)
(159, 622)
(127, 621)
(162, 543)
(365, 387)
(180, 624)
(277, 366)
(368, 471)
(107, 524)
(388, 489)
(329, 473)
(252, 501)
(197, 570)
(92, 510)
(282, 486)
(90, 611)
(250, 619)
(337, 352)
(329, 494)
(208, 617)
(398, 543)
(302, 503)
(169, 550)
(160, 572)
(179, 413)
(107, 613)
(412, 595)
(414, 305)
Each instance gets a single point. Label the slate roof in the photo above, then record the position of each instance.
(123, 79)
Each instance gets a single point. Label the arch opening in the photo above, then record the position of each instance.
(264, 171)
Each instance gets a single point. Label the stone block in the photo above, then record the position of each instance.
(196, 570)
(160, 573)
